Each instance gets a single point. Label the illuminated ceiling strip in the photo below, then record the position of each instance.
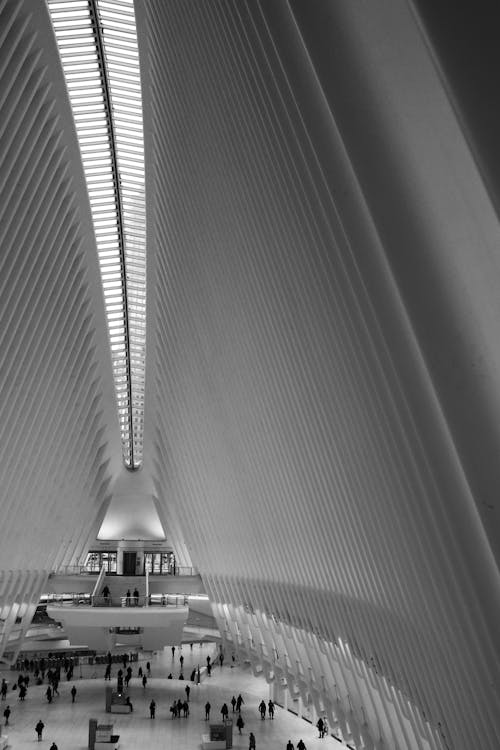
(98, 47)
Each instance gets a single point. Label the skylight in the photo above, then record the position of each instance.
(97, 42)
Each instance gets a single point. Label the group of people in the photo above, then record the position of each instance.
(301, 745)
(269, 708)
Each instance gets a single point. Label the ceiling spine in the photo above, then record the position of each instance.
(98, 49)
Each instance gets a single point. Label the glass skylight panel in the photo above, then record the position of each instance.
(98, 47)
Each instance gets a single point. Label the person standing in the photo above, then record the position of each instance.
(224, 711)
(3, 689)
(48, 694)
(6, 714)
(127, 598)
(301, 745)
(251, 741)
(270, 709)
(136, 597)
(289, 745)
(73, 694)
(233, 703)
(53, 746)
(105, 593)
(207, 711)
(148, 668)
(152, 709)
(181, 659)
(262, 709)
(239, 701)
(144, 681)
(39, 729)
(240, 723)
(187, 690)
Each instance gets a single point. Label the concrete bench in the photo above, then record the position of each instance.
(120, 708)
(208, 744)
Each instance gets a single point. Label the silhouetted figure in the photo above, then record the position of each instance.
(233, 703)
(152, 709)
(48, 694)
(73, 694)
(136, 597)
(239, 702)
(270, 709)
(148, 668)
(39, 729)
(105, 593)
(128, 702)
(319, 726)
(251, 741)
(207, 711)
(289, 745)
(262, 709)
(301, 745)
(144, 680)
(224, 711)
(240, 723)
(6, 715)
(187, 691)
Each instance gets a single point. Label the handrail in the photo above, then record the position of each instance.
(100, 579)
(83, 570)
(88, 600)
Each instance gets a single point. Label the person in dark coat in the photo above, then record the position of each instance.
(224, 711)
(6, 714)
(73, 694)
(207, 711)
(240, 723)
(39, 729)
(152, 709)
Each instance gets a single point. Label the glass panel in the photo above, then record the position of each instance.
(111, 140)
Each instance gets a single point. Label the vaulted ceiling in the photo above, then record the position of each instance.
(322, 376)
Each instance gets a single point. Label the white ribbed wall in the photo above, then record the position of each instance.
(57, 413)
(296, 423)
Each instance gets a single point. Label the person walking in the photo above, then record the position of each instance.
(207, 711)
(262, 709)
(319, 726)
(239, 702)
(289, 745)
(187, 690)
(73, 694)
(3, 689)
(301, 745)
(224, 711)
(270, 709)
(48, 694)
(240, 723)
(6, 714)
(148, 668)
(233, 703)
(39, 729)
(105, 593)
(181, 659)
(144, 680)
(251, 741)
(152, 709)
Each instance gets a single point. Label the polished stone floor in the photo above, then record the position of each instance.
(66, 724)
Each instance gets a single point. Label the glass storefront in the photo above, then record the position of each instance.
(159, 563)
(96, 560)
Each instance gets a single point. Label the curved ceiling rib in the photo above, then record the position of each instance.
(98, 48)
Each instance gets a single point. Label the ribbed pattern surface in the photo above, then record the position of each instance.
(289, 436)
(57, 411)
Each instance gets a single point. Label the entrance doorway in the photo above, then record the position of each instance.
(129, 563)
